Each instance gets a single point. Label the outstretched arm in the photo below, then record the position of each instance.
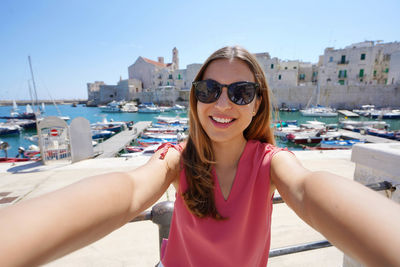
(42, 229)
(352, 217)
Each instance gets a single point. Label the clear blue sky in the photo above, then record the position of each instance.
(74, 42)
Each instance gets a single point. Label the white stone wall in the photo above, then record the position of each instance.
(108, 93)
(394, 68)
(349, 97)
(93, 90)
(127, 89)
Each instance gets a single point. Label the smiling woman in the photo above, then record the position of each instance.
(225, 176)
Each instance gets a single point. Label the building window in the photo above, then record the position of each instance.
(272, 66)
(342, 74)
(361, 74)
(362, 56)
(374, 73)
(314, 74)
(343, 59)
(170, 76)
(330, 59)
(179, 77)
(285, 68)
(294, 68)
(279, 77)
(302, 76)
(341, 82)
(387, 70)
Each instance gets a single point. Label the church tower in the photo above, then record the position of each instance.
(175, 58)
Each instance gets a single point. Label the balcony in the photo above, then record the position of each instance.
(343, 62)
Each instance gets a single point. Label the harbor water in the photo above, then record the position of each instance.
(93, 114)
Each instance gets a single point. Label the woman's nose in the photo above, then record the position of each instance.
(223, 101)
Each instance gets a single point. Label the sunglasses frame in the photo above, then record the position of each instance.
(230, 87)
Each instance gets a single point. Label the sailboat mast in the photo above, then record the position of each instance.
(30, 94)
(33, 81)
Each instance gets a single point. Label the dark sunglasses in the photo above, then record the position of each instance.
(240, 93)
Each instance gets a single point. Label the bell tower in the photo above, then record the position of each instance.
(175, 58)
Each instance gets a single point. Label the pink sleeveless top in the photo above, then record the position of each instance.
(241, 240)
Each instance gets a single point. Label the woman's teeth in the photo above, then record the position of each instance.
(222, 120)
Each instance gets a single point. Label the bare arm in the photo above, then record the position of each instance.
(42, 229)
(354, 218)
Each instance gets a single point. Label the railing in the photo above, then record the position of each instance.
(343, 62)
(161, 215)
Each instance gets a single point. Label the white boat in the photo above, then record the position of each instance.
(148, 109)
(319, 112)
(129, 107)
(112, 107)
(178, 108)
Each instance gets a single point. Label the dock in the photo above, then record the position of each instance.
(111, 147)
(348, 113)
(368, 138)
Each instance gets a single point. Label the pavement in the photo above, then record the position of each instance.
(136, 244)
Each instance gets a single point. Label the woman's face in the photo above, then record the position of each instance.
(223, 120)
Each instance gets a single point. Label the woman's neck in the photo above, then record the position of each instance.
(228, 154)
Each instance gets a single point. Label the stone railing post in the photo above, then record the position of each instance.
(376, 163)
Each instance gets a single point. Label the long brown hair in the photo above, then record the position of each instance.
(198, 157)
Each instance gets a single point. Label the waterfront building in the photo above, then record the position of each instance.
(365, 63)
(287, 73)
(93, 90)
(361, 73)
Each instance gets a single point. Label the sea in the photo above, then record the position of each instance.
(93, 114)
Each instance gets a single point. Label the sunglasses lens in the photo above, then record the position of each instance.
(242, 93)
(207, 91)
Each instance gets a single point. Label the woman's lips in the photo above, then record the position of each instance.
(221, 122)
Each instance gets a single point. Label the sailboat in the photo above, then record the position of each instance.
(318, 110)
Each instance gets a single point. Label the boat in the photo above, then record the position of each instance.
(340, 144)
(9, 129)
(385, 114)
(365, 110)
(312, 136)
(140, 150)
(319, 111)
(101, 134)
(129, 107)
(148, 108)
(112, 107)
(178, 108)
(115, 126)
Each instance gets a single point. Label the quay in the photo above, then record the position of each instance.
(348, 113)
(116, 143)
(366, 137)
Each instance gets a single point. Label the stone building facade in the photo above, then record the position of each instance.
(362, 70)
(365, 63)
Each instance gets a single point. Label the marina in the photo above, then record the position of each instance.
(25, 137)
